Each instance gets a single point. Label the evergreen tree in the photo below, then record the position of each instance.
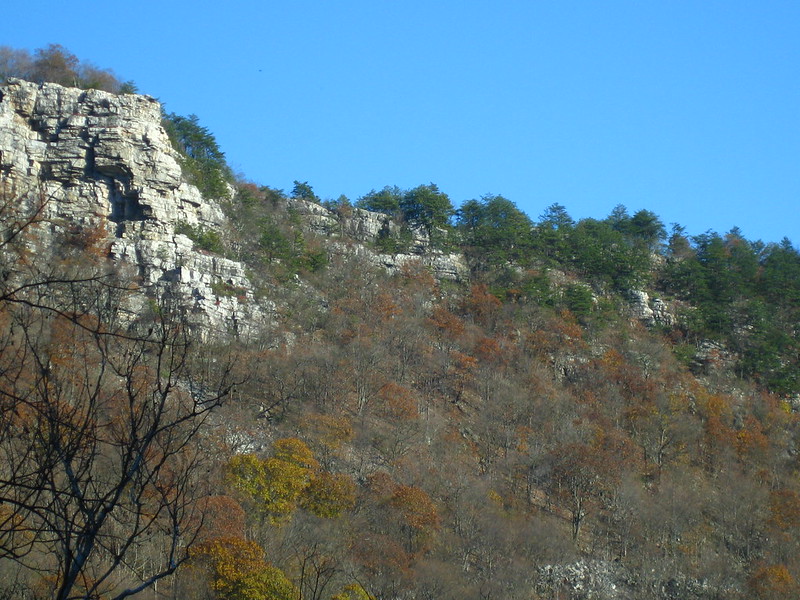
(386, 200)
(429, 208)
(204, 162)
(496, 229)
(304, 191)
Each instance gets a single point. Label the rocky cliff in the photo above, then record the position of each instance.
(104, 161)
(365, 228)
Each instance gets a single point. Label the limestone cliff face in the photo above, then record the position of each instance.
(104, 160)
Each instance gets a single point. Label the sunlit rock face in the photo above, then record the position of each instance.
(366, 227)
(104, 161)
(99, 153)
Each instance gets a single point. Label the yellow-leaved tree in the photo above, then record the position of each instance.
(275, 484)
(237, 570)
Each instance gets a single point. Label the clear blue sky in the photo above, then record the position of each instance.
(690, 109)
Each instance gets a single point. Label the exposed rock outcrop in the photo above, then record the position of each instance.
(367, 227)
(104, 160)
(607, 580)
(712, 357)
(650, 312)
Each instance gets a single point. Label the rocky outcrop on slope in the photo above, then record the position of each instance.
(97, 154)
(611, 580)
(104, 160)
(367, 227)
(650, 312)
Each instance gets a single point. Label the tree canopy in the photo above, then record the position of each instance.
(56, 64)
(204, 163)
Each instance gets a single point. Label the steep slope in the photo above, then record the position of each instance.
(403, 431)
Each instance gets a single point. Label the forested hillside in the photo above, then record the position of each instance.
(594, 406)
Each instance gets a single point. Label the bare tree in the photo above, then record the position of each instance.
(101, 415)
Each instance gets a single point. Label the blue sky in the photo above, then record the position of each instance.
(688, 109)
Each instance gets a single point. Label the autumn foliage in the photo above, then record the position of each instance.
(390, 434)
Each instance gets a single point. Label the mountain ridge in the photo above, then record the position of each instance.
(422, 410)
